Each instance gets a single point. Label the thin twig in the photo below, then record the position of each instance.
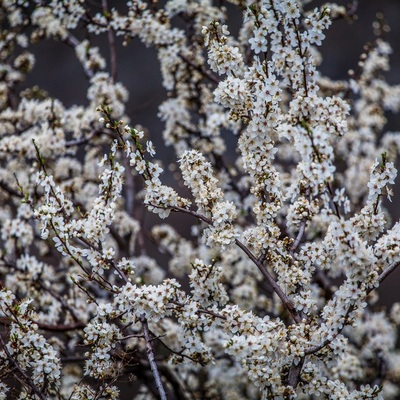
(178, 353)
(152, 361)
(387, 272)
(82, 140)
(74, 42)
(10, 190)
(204, 72)
(276, 288)
(111, 43)
(299, 236)
(130, 189)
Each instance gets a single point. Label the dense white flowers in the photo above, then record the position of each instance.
(27, 350)
(284, 173)
(198, 176)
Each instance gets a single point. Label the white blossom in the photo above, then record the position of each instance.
(261, 282)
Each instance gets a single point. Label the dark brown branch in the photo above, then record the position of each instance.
(204, 72)
(10, 190)
(293, 378)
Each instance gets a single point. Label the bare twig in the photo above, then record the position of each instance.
(178, 353)
(82, 140)
(392, 267)
(293, 378)
(111, 43)
(152, 361)
(204, 72)
(130, 189)
(10, 190)
(299, 237)
(73, 42)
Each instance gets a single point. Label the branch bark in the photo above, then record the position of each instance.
(151, 358)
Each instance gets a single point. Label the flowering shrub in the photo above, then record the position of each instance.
(273, 295)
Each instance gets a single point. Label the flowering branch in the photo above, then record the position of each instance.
(25, 380)
(281, 167)
(252, 257)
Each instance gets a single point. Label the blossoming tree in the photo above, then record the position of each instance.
(273, 294)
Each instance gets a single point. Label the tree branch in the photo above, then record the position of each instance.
(276, 288)
(111, 43)
(152, 361)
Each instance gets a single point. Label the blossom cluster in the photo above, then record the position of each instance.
(262, 279)
(27, 350)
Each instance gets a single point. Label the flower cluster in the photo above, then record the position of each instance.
(198, 176)
(27, 350)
